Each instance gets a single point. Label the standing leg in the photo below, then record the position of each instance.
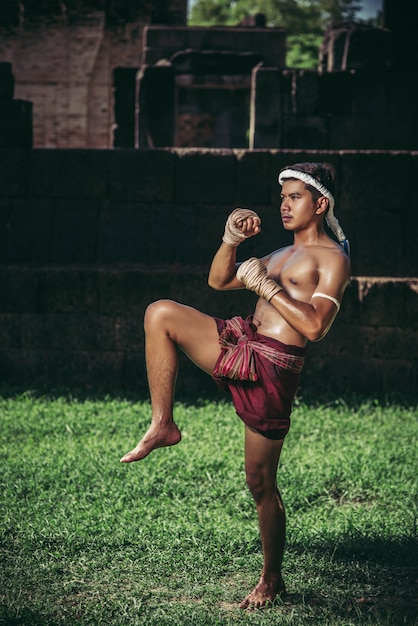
(261, 461)
(168, 325)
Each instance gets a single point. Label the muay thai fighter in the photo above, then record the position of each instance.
(258, 359)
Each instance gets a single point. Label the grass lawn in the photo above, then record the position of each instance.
(173, 539)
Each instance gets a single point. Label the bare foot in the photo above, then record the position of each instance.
(157, 436)
(263, 594)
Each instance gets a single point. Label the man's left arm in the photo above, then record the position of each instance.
(311, 319)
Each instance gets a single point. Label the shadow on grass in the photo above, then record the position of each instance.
(377, 577)
(27, 617)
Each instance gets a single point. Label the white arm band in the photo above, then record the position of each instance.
(318, 294)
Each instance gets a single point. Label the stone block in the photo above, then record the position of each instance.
(5, 212)
(75, 231)
(98, 371)
(69, 173)
(30, 231)
(372, 205)
(68, 290)
(124, 90)
(393, 343)
(7, 81)
(68, 332)
(126, 291)
(124, 234)
(305, 93)
(399, 376)
(161, 42)
(142, 176)
(399, 80)
(385, 258)
(305, 132)
(135, 375)
(265, 116)
(205, 176)
(341, 375)
(335, 93)
(15, 124)
(129, 334)
(10, 335)
(377, 132)
(13, 171)
(410, 302)
(382, 303)
(369, 92)
(178, 240)
(287, 103)
(346, 340)
(19, 289)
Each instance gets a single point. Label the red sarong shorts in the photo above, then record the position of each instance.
(261, 373)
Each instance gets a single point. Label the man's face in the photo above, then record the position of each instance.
(297, 208)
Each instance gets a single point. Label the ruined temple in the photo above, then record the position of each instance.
(63, 54)
(118, 73)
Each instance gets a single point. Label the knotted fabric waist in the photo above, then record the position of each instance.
(239, 342)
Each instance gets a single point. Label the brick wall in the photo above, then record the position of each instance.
(88, 238)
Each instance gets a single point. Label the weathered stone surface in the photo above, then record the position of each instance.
(142, 176)
(201, 176)
(69, 174)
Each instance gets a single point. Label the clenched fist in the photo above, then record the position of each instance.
(242, 223)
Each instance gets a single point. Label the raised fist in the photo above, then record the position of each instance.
(241, 224)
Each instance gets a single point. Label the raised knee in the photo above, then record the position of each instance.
(157, 311)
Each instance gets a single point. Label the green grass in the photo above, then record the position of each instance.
(173, 540)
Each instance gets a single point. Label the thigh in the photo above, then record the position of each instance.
(195, 333)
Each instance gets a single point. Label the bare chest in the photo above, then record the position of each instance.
(295, 270)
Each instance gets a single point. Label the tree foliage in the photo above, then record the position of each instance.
(305, 21)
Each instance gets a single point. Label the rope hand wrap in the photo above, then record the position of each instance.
(253, 274)
(233, 235)
(331, 220)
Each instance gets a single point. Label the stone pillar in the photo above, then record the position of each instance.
(265, 113)
(15, 115)
(155, 101)
(401, 17)
(124, 86)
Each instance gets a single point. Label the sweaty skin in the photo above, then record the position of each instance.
(313, 263)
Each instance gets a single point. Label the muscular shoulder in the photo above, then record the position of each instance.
(333, 258)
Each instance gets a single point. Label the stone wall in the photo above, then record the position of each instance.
(89, 238)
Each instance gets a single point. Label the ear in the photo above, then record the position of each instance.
(321, 205)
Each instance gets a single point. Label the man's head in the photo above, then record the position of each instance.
(319, 179)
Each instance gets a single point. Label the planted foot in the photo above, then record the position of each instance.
(264, 594)
(157, 436)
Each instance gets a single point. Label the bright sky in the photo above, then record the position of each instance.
(370, 8)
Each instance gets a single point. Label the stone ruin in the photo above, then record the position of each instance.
(113, 77)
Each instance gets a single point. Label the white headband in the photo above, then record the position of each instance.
(332, 221)
(309, 180)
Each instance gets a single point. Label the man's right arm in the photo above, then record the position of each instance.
(222, 273)
(241, 224)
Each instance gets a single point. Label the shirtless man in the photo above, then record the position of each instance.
(300, 288)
